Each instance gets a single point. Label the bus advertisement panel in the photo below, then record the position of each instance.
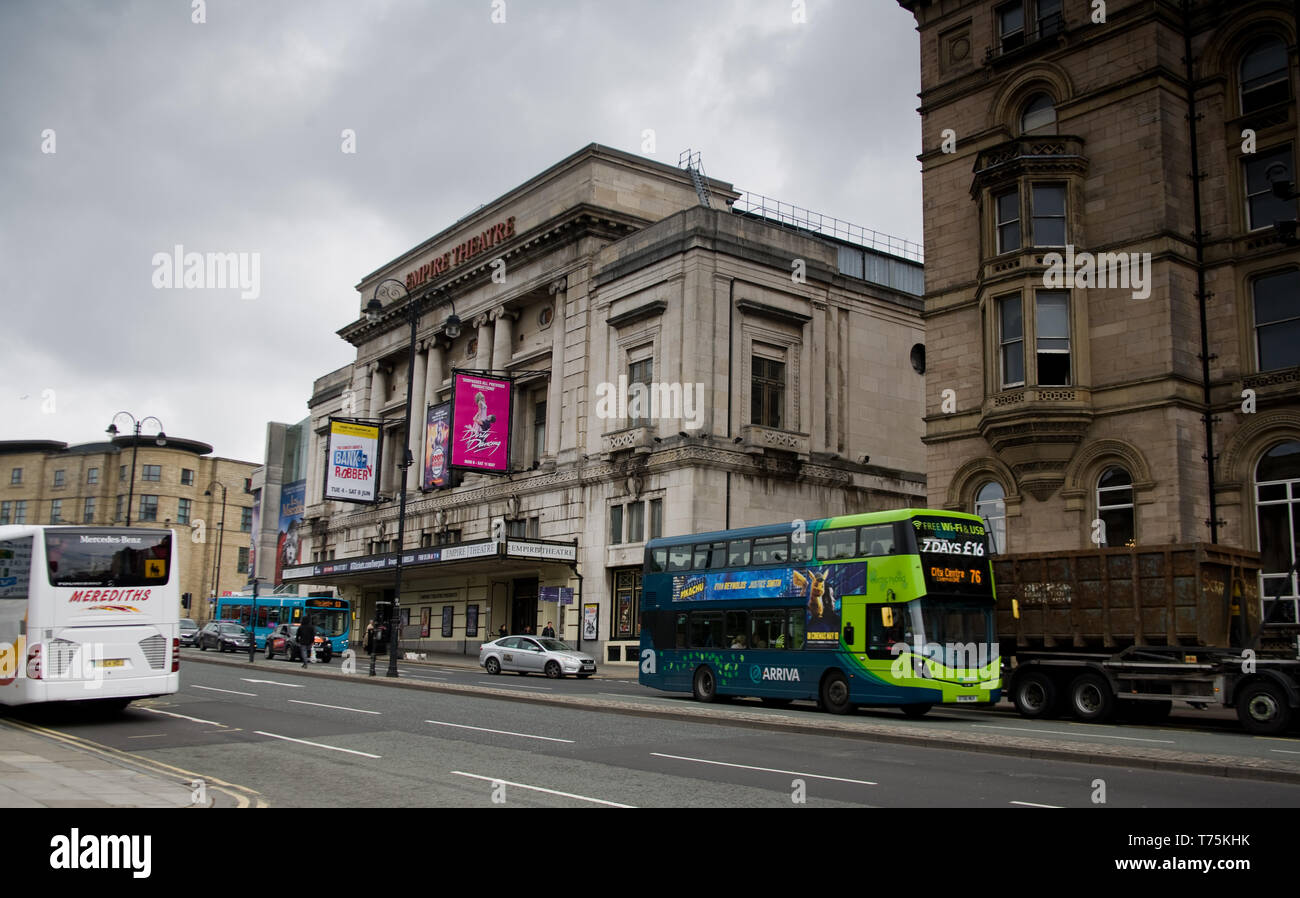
(889, 609)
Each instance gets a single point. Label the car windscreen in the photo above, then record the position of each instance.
(554, 645)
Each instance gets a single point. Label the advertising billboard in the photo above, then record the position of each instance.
(352, 473)
(293, 498)
(437, 447)
(481, 423)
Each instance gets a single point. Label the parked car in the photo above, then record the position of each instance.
(535, 654)
(225, 636)
(189, 631)
(284, 641)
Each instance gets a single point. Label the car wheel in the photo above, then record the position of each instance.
(1262, 708)
(915, 711)
(1034, 695)
(835, 693)
(1091, 700)
(493, 666)
(553, 670)
(704, 686)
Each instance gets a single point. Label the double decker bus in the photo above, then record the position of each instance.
(331, 615)
(88, 614)
(892, 608)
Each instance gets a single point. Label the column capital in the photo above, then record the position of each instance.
(502, 312)
(559, 285)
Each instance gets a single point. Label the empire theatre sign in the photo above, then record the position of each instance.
(462, 253)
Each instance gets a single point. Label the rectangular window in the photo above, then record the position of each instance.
(709, 555)
(767, 392)
(615, 524)
(121, 473)
(517, 528)
(1262, 208)
(1050, 20)
(16, 476)
(117, 512)
(641, 372)
(706, 630)
(148, 508)
(1011, 26)
(187, 477)
(20, 511)
(183, 511)
(60, 479)
(1007, 212)
(88, 513)
(92, 476)
(539, 428)
(679, 558)
(1277, 320)
(771, 550)
(636, 522)
(152, 473)
(243, 560)
(835, 544)
(246, 520)
(878, 539)
(656, 518)
(738, 553)
(447, 537)
(56, 511)
(6, 512)
(1048, 223)
(735, 629)
(1053, 327)
(1011, 334)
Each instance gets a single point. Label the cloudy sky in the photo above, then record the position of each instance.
(129, 129)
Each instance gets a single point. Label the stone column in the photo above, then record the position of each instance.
(555, 392)
(483, 356)
(503, 348)
(820, 373)
(435, 373)
(415, 427)
(378, 390)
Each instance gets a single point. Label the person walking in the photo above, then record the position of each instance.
(549, 631)
(306, 640)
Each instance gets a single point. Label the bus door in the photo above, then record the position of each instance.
(854, 623)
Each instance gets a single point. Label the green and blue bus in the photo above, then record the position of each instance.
(892, 608)
(331, 615)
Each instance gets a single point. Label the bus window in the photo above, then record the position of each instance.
(683, 619)
(736, 630)
(717, 555)
(679, 558)
(766, 629)
(801, 551)
(658, 560)
(877, 539)
(738, 553)
(706, 630)
(771, 550)
(836, 544)
(796, 629)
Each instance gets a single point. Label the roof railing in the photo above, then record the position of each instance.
(805, 220)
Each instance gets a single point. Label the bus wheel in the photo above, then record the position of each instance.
(835, 693)
(1034, 695)
(915, 710)
(1262, 708)
(705, 687)
(1091, 700)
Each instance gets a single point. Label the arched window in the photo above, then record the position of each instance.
(1115, 507)
(1277, 504)
(990, 505)
(1264, 75)
(1039, 116)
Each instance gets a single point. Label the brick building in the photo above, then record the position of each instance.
(1158, 394)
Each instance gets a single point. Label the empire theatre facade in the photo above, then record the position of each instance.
(673, 365)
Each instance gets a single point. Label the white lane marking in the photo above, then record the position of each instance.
(493, 779)
(1283, 752)
(461, 726)
(150, 736)
(1030, 804)
(274, 683)
(215, 689)
(986, 726)
(183, 717)
(411, 676)
(513, 685)
(364, 754)
(818, 776)
(335, 707)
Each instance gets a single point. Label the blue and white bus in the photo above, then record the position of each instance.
(331, 615)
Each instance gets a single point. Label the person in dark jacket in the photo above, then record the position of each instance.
(306, 640)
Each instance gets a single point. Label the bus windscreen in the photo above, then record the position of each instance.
(113, 558)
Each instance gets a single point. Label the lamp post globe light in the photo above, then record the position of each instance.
(160, 439)
(393, 290)
(221, 538)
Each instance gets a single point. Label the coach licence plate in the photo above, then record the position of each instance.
(112, 662)
(967, 698)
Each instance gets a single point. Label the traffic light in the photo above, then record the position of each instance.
(185, 600)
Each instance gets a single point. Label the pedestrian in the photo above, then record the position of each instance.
(370, 637)
(528, 631)
(306, 640)
(503, 632)
(549, 631)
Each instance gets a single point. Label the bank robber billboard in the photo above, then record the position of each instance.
(352, 472)
(820, 586)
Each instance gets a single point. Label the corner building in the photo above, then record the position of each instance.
(1168, 411)
(794, 344)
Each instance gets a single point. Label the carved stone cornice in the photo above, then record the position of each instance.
(1037, 443)
(1040, 154)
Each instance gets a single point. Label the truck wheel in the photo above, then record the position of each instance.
(1034, 695)
(1262, 708)
(835, 693)
(704, 686)
(1091, 700)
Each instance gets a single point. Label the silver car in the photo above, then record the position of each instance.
(535, 654)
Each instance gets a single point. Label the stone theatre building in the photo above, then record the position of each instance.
(1158, 393)
(793, 343)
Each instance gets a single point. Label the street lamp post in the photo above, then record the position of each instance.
(221, 537)
(394, 289)
(161, 440)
